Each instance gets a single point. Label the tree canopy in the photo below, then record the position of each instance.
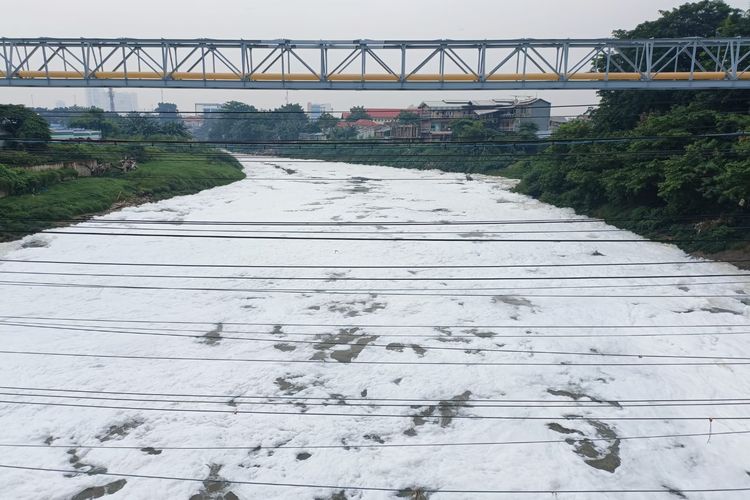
(19, 122)
(242, 122)
(621, 110)
(327, 121)
(358, 113)
(673, 174)
(407, 117)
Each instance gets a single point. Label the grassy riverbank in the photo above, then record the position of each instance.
(162, 175)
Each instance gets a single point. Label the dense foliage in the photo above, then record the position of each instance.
(240, 122)
(667, 177)
(159, 176)
(621, 110)
(163, 124)
(19, 122)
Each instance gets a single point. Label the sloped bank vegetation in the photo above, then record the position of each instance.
(678, 172)
(162, 174)
(32, 200)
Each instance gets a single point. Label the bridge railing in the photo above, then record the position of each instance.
(378, 65)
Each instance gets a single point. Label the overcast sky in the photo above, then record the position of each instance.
(318, 19)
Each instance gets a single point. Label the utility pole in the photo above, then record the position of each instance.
(111, 99)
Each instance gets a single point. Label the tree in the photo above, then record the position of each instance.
(344, 133)
(358, 113)
(288, 121)
(238, 121)
(622, 110)
(327, 121)
(19, 122)
(235, 121)
(96, 119)
(407, 117)
(470, 130)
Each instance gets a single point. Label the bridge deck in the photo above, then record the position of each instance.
(365, 64)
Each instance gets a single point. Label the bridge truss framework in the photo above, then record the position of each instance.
(690, 63)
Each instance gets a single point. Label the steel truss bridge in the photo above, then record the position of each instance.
(689, 63)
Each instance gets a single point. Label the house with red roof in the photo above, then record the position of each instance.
(379, 115)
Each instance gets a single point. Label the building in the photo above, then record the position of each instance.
(97, 98)
(312, 136)
(404, 131)
(556, 122)
(63, 133)
(192, 123)
(380, 115)
(111, 100)
(314, 110)
(365, 128)
(207, 107)
(505, 115)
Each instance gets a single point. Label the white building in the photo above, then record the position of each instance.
(314, 110)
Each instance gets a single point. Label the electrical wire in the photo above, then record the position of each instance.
(323, 342)
(376, 363)
(366, 325)
(307, 413)
(409, 267)
(359, 291)
(438, 222)
(443, 404)
(281, 335)
(663, 490)
(388, 142)
(393, 278)
(238, 398)
(390, 239)
(370, 445)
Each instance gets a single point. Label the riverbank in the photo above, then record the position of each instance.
(708, 235)
(163, 175)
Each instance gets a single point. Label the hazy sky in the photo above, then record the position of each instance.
(317, 19)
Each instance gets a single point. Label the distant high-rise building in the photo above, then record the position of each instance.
(124, 101)
(97, 98)
(60, 104)
(314, 110)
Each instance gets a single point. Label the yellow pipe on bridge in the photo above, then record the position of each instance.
(372, 77)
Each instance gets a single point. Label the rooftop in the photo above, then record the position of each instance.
(482, 103)
(379, 113)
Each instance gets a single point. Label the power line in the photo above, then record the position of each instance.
(387, 142)
(662, 490)
(475, 291)
(371, 154)
(438, 222)
(393, 278)
(322, 342)
(281, 335)
(332, 402)
(296, 231)
(377, 363)
(298, 397)
(384, 232)
(285, 266)
(365, 325)
(390, 239)
(307, 413)
(359, 291)
(373, 445)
